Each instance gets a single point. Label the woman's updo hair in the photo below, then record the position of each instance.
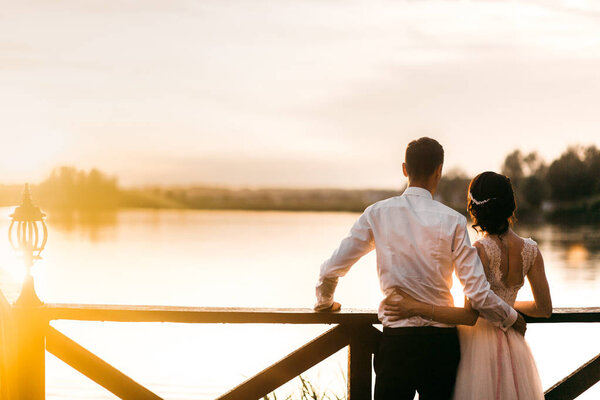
(491, 203)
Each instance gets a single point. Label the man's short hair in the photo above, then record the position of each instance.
(422, 157)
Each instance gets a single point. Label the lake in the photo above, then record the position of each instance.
(247, 259)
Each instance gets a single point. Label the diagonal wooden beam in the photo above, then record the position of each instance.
(576, 383)
(291, 366)
(98, 370)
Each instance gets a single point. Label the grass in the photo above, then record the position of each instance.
(307, 391)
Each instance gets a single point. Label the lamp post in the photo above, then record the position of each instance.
(27, 235)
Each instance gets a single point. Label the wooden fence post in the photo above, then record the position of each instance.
(31, 324)
(27, 235)
(360, 362)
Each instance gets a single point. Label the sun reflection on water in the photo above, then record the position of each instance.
(577, 255)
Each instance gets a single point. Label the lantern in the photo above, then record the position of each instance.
(27, 235)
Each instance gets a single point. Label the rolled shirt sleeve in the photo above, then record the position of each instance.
(476, 286)
(358, 243)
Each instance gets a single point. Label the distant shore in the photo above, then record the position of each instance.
(272, 199)
(565, 191)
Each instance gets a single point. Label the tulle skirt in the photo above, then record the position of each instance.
(495, 365)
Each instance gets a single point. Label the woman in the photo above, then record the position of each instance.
(494, 364)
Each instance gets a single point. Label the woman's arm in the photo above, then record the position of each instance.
(397, 308)
(401, 306)
(542, 304)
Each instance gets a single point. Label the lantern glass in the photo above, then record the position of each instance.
(28, 232)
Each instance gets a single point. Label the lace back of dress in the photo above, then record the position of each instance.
(494, 256)
(494, 274)
(529, 254)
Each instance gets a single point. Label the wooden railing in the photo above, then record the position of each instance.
(353, 329)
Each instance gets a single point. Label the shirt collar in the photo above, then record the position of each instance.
(417, 191)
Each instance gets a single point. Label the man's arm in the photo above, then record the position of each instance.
(358, 243)
(401, 305)
(476, 286)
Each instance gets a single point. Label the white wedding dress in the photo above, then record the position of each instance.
(497, 365)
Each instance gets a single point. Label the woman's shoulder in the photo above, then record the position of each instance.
(479, 245)
(529, 253)
(484, 242)
(516, 239)
(527, 242)
(487, 249)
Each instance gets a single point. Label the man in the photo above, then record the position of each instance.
(419, 244)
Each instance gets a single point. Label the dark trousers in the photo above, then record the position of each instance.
(421, 359)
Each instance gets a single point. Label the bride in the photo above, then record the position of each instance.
(494, 364)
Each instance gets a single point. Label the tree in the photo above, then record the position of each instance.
(68, 188)
(534, 191)
(513, 166)
(528, 176)
(452, 189)
(592, 161)
(570, 177)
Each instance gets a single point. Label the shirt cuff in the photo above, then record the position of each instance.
(510, 320)
(323, 306)
(324, 291)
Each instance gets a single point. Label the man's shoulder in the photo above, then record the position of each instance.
(443, 209)
(432, 206)
(389, 202)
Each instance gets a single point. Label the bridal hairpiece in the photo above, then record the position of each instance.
(477, 202)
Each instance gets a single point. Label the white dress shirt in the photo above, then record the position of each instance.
(419, 244)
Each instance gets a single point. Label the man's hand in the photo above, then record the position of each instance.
(520, 325)
(399, 306)
(397, 310)
(333, 308)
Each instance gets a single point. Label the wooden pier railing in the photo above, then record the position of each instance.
(353, 329)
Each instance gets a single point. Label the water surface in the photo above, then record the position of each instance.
(247, 259)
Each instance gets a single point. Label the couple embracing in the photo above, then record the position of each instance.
(420, 243)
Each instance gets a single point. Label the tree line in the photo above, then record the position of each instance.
(567, 186)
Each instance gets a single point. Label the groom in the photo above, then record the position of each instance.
(419, 244)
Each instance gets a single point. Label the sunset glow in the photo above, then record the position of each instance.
(210, 176)
(294, 93)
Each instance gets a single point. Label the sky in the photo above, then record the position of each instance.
(312, 93)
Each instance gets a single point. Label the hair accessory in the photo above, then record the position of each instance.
(477, 202)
